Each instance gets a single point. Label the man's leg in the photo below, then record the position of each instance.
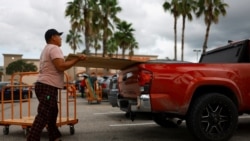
(42, 116)
(53, 131)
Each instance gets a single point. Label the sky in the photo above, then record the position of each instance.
(23, 24)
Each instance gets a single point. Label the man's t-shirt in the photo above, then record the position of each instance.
(48, 74)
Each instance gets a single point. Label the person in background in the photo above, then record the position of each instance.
(83, 85)
(50, 79)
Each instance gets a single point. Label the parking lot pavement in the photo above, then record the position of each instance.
(102, 122)
(95, 121)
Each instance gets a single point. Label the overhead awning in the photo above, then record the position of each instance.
(104, 62)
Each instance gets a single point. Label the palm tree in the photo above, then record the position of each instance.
(173, 7)
(74, 39)
(186, 9)
(96, 36)
(211, 9)
(80, 14)
(124, 36)
(73, 10)
(133, 45)
(112, 46)
(95, 42)
(88, 10)
(109, 10)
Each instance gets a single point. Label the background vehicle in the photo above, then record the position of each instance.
(77, 84)
(16, 87)
(104, 83)
(209, 95)
(113, 91)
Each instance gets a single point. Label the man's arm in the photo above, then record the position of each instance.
(62, 65)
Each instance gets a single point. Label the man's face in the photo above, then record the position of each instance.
(57, 40)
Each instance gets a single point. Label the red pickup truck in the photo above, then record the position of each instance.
(209, 95)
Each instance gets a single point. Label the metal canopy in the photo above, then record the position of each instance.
(102, 62)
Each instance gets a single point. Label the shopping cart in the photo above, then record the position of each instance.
(20, 113)
(93, 93)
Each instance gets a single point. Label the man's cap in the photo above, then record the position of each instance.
(49, 33)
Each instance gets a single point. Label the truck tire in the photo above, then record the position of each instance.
(212, 117)
(164, 121)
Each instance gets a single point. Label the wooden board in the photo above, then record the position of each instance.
(101, 62)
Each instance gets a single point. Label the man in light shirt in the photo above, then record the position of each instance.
(50, 79)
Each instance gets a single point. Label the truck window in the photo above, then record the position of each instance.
(232, 53)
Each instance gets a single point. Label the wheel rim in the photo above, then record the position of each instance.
(215, 119)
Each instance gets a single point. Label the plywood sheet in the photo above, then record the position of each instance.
(101, 62)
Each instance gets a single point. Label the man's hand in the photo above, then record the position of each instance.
(81, 57)
(62, 65)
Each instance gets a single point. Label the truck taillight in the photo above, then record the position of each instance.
(144, 77)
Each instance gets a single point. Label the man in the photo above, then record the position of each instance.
(50, 79)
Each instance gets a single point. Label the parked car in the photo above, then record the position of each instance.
(6, 89)
(77, 84)
(105, 86)
(113, 91)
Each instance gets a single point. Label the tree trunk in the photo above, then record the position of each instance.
(206, 37)
(87, 30)
(123, 52)
(175, 38)
(182, 37)
(105, 36)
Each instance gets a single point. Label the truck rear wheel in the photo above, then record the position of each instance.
(212, 117)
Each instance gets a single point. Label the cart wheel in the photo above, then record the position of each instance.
(26, 131)
(6, 130)
(72, 129)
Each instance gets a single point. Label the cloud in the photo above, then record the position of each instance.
(23, 25)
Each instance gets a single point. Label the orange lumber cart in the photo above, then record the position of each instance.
(93, 93)
(19, 111)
